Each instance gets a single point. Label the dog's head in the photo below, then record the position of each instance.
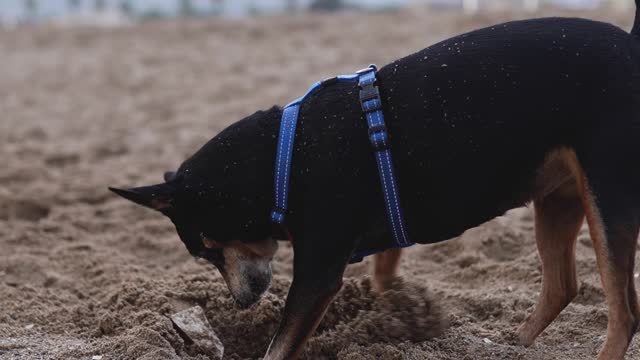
(219, 201)
(245, 264)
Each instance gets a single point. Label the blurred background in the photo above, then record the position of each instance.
(113, 12)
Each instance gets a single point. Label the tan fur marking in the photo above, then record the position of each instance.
(385, 268)
(266, 248)
(554, 173)
(242, 261)
(232, 266)
(560, 183)
(559, 216)
(209, 244)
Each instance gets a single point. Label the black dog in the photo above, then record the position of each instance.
(544, 110)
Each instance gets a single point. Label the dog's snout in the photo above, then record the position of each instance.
(259, 283)
(247, 277)
(247, 301)
(248, 295)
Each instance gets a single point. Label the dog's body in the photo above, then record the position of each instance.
(544, 110)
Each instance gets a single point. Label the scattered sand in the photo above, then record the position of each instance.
(83, 273)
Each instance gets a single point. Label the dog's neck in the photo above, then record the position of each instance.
(232, 175)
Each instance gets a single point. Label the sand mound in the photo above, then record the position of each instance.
(133, 321)
(360, 316)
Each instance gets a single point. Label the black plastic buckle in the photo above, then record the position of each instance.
(367, 93)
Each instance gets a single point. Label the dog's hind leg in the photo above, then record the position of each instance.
(614, 231)
(633, 297)
(385, 268)
(559, 216)
(608, 195)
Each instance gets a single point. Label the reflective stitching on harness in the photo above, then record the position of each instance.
(278, 166)
(395, 195)
(393, 185)
(294, 115)
(386, 193)
(394, 191)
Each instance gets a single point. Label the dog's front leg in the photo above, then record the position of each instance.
(318, 266)
(303, 311)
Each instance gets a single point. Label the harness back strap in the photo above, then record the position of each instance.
(379, 138)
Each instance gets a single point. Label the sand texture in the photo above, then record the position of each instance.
(84, 274)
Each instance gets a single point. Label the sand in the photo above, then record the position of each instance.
(84, 274)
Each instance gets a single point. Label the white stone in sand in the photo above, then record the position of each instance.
(194, 325)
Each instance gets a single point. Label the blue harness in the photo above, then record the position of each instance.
(379, 138)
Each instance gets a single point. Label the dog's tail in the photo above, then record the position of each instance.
(635, 30)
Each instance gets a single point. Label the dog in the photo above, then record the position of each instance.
(544, 111)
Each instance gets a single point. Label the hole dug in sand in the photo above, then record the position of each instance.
(358, 320)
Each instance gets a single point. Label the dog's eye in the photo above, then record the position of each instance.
(212, 255)
(207, 242)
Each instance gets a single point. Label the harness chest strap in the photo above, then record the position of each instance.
(371, 104)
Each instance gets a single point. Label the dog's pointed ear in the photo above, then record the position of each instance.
(157, 197)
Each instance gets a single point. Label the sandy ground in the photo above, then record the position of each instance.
(83, 273)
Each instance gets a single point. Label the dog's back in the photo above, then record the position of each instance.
(473, 118)
(494, 102)
(545, 110)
